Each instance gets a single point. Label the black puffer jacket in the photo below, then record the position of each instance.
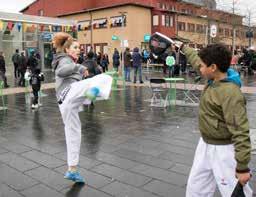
(92, 67)
(2, 64)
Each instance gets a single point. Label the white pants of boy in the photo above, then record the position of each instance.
(214, 165)
(70, 111)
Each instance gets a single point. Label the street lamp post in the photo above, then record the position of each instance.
(123, 14)
(207, 32)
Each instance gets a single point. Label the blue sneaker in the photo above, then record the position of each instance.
(74, 176)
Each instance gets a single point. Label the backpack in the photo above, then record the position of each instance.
(15, 58)
(34, 80)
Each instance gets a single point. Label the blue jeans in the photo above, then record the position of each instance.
(136, 69)
(127, 71)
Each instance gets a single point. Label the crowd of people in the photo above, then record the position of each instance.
(25, 68)
(21, 63)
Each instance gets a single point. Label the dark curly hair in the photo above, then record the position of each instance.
(217, 54)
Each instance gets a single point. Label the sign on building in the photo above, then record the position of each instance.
(213, 31)
(147, 37)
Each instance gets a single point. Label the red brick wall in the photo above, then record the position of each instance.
(58, 7)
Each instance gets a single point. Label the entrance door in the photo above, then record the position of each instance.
(101, 47)
(48, 55)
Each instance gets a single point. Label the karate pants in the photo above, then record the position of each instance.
(70, 111)
(214, 165)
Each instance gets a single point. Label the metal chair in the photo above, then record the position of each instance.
(158, 88)
(189, 95)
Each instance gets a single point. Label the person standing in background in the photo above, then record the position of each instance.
(136, 62)
(116, 59)
(22, 69)
(127, 64)
(3, 70)
(15, 60)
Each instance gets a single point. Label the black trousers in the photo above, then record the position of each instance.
(35, 93)
(4, 78)
(16, 70)
(22, 79)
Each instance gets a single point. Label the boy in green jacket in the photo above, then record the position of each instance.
(223, 153)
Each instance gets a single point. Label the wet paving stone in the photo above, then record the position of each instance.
(15, 179)
(17, 162)
(144, 159)
(115, 160)
(164, 189)
(121, 175)
(120, 190)
(6, 191)
(41, 191)
(160, 174)
(43, 159)
(49, 177)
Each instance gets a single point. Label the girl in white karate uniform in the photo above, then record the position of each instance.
(71, 92)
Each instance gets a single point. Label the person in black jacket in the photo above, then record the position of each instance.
(116, 59)
(91, 65)
(35, 82)
(15, 60)
(3, 70)
(136, 62)
(33, 62)
(22, 67)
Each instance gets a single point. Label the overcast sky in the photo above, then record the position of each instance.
(240, 7)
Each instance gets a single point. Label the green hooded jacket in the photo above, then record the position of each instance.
(222, 113)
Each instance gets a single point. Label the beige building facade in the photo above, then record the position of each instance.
(112, 27)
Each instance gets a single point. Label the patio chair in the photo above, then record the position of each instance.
(158, 88)
(189, 95)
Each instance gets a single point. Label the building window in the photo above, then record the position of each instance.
(199, 28)
(191, 27)
(221, 31)
(199, 46)
(172, 8)
(101, 47)
(118, 21)
(84, 25)
(168, 21)
(190, 12)
(40, 12)
(163, 20)
(182, 26)
(192, 45)
(155, 20)
(227, 32)
(100, 23)
(163, 6)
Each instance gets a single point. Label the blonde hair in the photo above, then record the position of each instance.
(62, 41)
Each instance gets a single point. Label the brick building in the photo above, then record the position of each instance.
(132, 20)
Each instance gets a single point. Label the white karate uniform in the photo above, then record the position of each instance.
(70, 108)
(214, 165)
